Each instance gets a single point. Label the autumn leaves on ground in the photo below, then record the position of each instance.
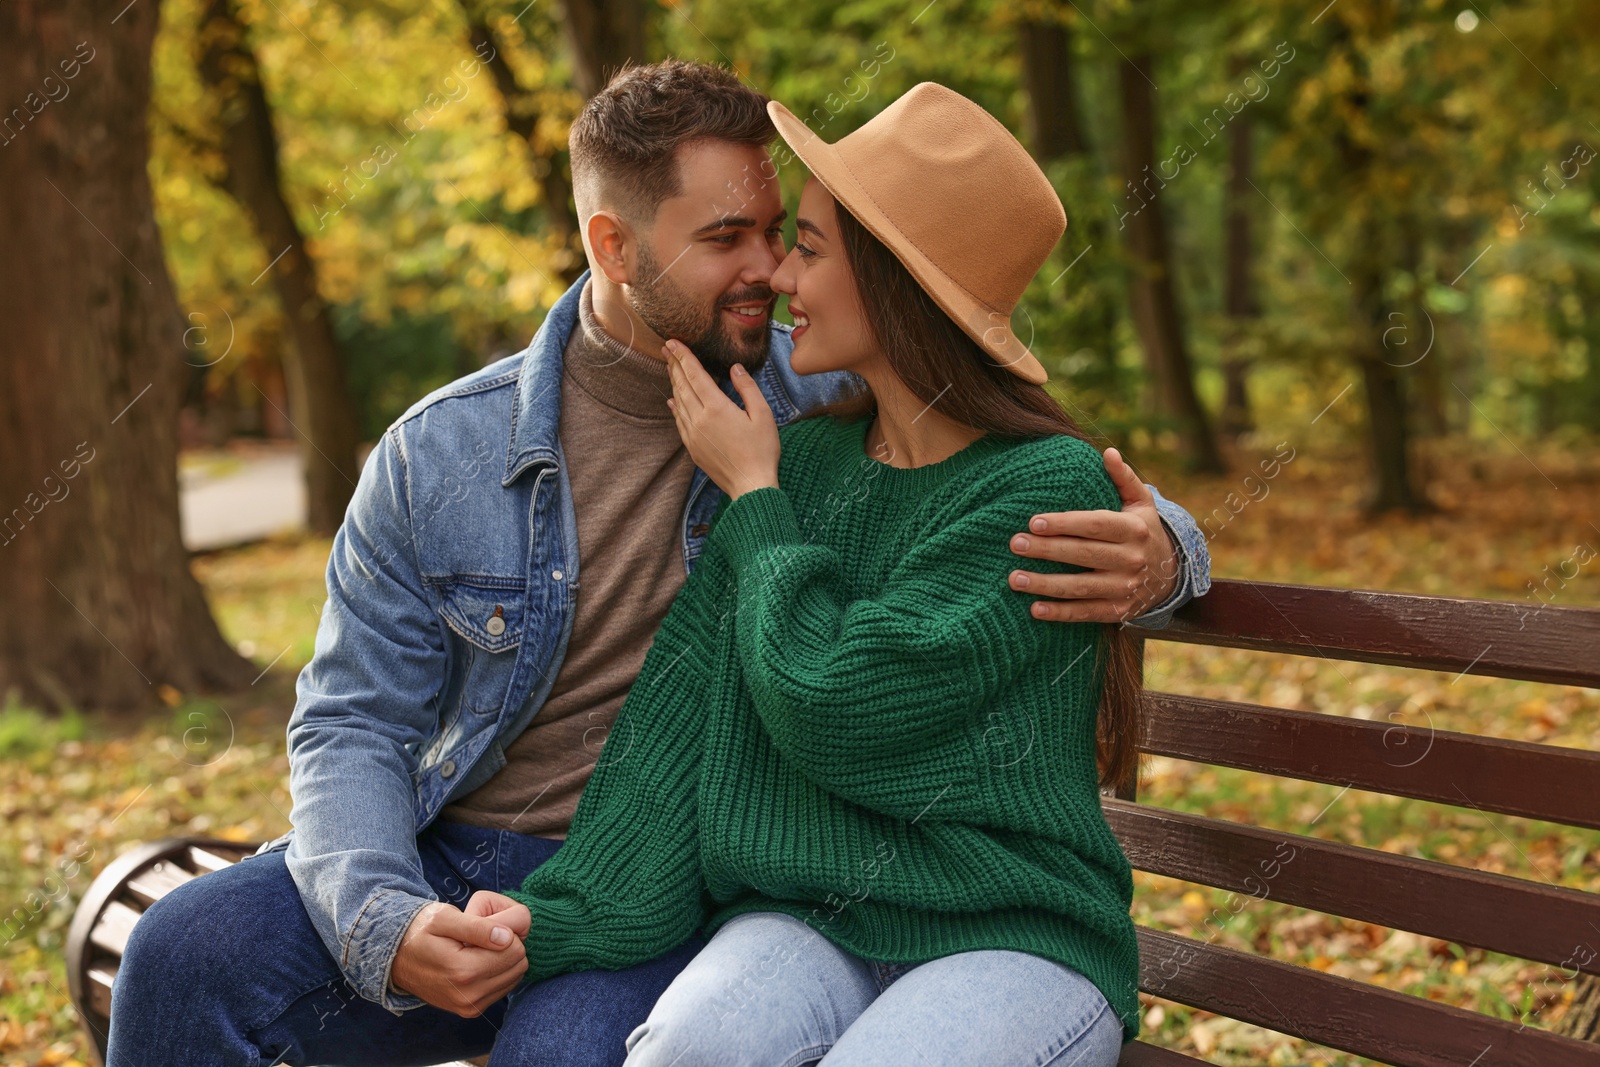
(78, 792)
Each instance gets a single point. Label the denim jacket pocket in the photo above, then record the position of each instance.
(488, 612)
(489, 618)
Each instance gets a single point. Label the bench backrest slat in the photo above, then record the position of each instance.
(1367, 1020)
(1421, 896)
(1140, 1054)
(1507, 777)
(1529, 640)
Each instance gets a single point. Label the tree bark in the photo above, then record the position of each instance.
(1389, 440)
(1382, 373)
(1388, 421)
(100, 608)
(1056, 134)
(1429, 381)
(1376, 247)
(552, 164)
(1584, 397)
(1049, 78)
(603, 36)
(1582, 1019)
(319, 398)
(1153, 294)
(1239, 302)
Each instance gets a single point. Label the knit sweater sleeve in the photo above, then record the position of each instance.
(860, 691)
(626, 885)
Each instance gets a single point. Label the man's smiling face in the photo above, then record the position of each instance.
(705, 263)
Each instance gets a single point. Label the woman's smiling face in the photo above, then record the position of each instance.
(831, 331)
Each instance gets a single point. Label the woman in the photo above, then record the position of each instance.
(851, 755)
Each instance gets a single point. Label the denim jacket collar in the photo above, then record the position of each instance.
(535, 415)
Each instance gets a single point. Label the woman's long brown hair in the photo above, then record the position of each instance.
(947, 369)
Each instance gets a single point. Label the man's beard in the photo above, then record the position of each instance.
(718, 344)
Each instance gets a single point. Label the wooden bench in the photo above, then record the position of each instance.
(1499, 913)
(1531, 920)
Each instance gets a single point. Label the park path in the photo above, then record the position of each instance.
(241, 498)
(245, 493)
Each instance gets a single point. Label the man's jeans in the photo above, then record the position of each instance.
(227, 969)
(770, 991)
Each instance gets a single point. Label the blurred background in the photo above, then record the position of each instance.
(1329, 281)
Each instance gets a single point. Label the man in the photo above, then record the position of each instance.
(462, 685)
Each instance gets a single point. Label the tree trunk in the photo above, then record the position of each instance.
(1428, 380)
(551, 163)
(1056, 134)
(1388, 421)
(1055, 129)
(1152, 289)
(100, 608)
(1239, 302)
(1376, 248)
(1585, 395)
(603, 36)
(1582, 1019)
(1389, 440)
(1382, 372)
(319, 399)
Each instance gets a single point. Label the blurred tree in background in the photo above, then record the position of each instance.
(1254, 191)
(89, 393)
(1375, 220)
(244, 150)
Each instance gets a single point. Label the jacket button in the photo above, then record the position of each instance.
(496, 626)
(447, 768)
(557, 575)
(699, 530)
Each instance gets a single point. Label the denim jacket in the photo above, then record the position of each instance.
(450, 601)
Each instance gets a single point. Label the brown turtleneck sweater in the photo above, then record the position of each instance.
(629, 474)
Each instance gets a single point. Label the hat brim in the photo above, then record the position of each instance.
(988, 326)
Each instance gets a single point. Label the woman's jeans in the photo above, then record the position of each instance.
(770, 991)
(228, 970)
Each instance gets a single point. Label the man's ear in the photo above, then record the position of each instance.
(610, 243)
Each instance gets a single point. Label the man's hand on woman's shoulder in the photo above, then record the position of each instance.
(463, 960)
(1132, 564)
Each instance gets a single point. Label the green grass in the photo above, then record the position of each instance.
(24, 729)
(76, 791)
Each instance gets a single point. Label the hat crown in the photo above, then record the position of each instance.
(961, 188)
(952, 194)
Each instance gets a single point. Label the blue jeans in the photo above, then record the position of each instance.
(227, 969)
(770, 990)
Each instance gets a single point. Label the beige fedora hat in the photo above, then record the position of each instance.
(946, 187)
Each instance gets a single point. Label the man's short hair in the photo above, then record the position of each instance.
(625, 141)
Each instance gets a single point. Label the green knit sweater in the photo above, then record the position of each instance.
(849, 717)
